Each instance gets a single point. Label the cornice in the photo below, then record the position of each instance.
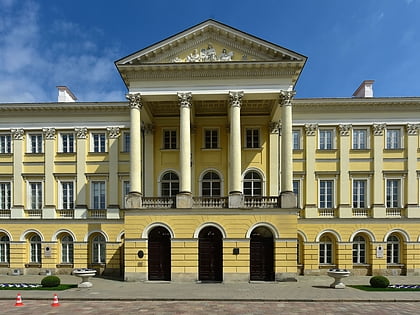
(115, 106)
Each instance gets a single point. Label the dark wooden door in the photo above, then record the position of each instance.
(210, 255)
(159, 253)
(262, 255)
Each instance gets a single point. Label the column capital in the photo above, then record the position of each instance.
(274, 127)
(413, 129)
(378, 129)
(49, 133)
(148, 128)
(17, 133)
(184, 99)
(311, 129)
(344, 129)
(286, 97)
(235, 98)
(113, 132)
(134, 101)
(81, 132)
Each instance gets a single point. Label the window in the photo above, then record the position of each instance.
(67, 195)
(326, 139)
(98, 249)
(360, 139)
(326, 190)
(296, 140)
(393, 250)
(5, 144)
(252, 184)
(5, 196)
(169, 139)
(296, 191)
(126, 188)
(359, 193)
(35, 195)
(4, 248)
(35, 248)
(211, 139)
(393, 193)
(393, 138)
(67, 249)
(98, 142)
(35, 143)
(169, 184)
(98, 195)
(126, 142)
(325, 250)
(67, 142)
(210, 185)
(359, 250)
(252, 138)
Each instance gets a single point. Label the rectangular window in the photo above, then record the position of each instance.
(393, 139)
(35, 143)
(125, 190)
(98, 195)
(360, 139)
(393, 193)
(296, 191)
(296, 140)
(5, 196)
(211, 139)
(169, 139)
(326, 190)
(325, 253)
(35, 195)
(359, 193)
(252, 138)
(126, 142)
(326, 139)
(67, 142)
(5, 144)
(99, 142)
(67, 195)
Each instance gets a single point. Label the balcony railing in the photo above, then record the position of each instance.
(97, 213)
(394, 212)
(33, 213)
(65, 213)
(326, 213)
(5, 213)
(361, 212)
(262, 202)
(210, 202)
(159, 202)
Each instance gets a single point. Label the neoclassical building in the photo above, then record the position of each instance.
(212, 170)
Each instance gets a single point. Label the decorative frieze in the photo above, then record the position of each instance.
(378, 129)
(18, 133)
(413, 129)
(113, 132)
(81, 133)
(134, 100)
(235, 98)
(310, 129)
(274, 127)
(286, 97)
(208, 54)
(49, 133)
(344, 129)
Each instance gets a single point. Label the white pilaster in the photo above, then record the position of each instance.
(80, 211)
(113, 208)
(345, 208)
(378, 165)
(17, 210)
(49, 187)
(311, 208)
(412, 188)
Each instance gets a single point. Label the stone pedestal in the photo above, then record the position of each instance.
(184, 200)
(236, 200)
(288, 200)
(133, 200)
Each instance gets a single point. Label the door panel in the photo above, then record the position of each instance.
(159, 254)
(261, 255)
(210, 252)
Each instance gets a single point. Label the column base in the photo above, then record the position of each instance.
(17, 212)
(80, 212)
(48, 212)
(236, 200)
(184, 200)
(113, 212)
(288, 200)
(133, 200)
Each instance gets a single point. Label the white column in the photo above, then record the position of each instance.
(412, 188)
(49, 189)
(235, 142)
(80, 211)
(345, 208)
(17, 210)
(113, 208)
(379, 210)
(185, 142)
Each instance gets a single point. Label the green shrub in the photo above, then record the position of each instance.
(379, 282)
(50, 281)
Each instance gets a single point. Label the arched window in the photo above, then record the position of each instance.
(210, 185)
(4, 248)
(325, 250)
(35, 249)
(169, 184)
(393, 250)
(98, 249)
(67, 249)
(359, 250)
(252, 184)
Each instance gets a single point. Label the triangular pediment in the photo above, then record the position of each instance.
(209, 42)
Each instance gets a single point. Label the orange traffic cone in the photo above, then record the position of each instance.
(19, 300)
(55, 301)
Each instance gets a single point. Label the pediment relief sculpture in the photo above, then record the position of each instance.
(208, 54)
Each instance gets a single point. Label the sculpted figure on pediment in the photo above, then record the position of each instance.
(226, 56)
(206, 55)
(194, 56)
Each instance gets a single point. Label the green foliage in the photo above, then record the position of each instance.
(50, 281)
(379, 282)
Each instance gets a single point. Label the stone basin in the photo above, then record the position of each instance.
(85, 274)
(338, 275)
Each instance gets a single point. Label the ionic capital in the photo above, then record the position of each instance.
(286, 97)
(311, 129)
(134, 101)
(17, 133)
(81, 133)
(235, 98)
(49, 133)
(378, 129)
(113, 132)
(344, 129)
(184, 99)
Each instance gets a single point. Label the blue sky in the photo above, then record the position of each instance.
(75, 43)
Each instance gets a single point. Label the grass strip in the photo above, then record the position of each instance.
(61, 287)
(369, 288)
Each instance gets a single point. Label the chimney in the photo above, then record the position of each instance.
(365, 89)
(65, 95)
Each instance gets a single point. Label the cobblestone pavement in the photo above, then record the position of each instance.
(44, 307)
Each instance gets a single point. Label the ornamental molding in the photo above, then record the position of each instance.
(344, 129)
(18, 133)
(378, 129)
(134, 101)
(286, 97)
(310, 129)
(81, 132)
(184, 99)
(49, 133)
(208, 54)
(274, 127)
(235, 98)
(113, 132)
(413, 129)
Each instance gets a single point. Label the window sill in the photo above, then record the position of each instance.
(394, 150)
(169, 150)
(64, 265)
(327, 266)
(211, 149)
(4, 265)
(33, 265)
(326, 150)
(365, 150)
(395, 265)
(66, 153)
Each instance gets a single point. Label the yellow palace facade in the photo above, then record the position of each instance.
(211, 171)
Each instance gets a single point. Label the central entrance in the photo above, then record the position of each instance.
(210, 255)
(262, 255)
(159, 250)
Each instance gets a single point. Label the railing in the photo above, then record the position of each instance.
(33, 213)
(159, 202)
(97, 213)
(65, 213)
(394, 212)
(261, 202)
(326, 213)
(361, 212)
(209, 202)
(5, 213)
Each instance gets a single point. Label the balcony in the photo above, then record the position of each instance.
(210, 202)
(326, 213)
(361, 213)
(262, 202)
(65, 213)
(33, 213)
(394, 212)
(97, 213)
(158, 202)
(5, 213)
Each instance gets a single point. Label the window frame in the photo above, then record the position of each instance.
(39, 195)
(366, 193)
(394, 247)
(252, 182)
(98, 242)
(399, 200)
(297, 143)
(67, 249)
(4, 248)
(212, 182)
(210, 145)
(359, 250)
(298, 183)
(93, 205)
(6, 195)
(321, 144)
(62, 195)
(35, 146)
(357, 144)
(172, 183)
(390, 143)
(126, 142)
(35, 249)
(327, 250)
(170, 134)
(5, 143)
(66, 146)
(252, 137)
(333, 193)
(98, 145)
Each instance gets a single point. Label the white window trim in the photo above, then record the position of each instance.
(299, 130)
(401, 129)
(29, 194)
(367, 179)
(333, 137)
(334, 196)
(122, 190)
(176, 140)
(60, 142)
(11, 191)
(218, 138)
(245, 137)
(401, 192)
(11, 141)
(60, 192)
(123, 142)
(91, 193)
(299, 197)
(29, 142)
(200, 181)
(367, 137)
(92, 141)
(263, 179)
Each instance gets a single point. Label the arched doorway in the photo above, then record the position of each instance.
(159, 254)
(262, 255)
(210, 255)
